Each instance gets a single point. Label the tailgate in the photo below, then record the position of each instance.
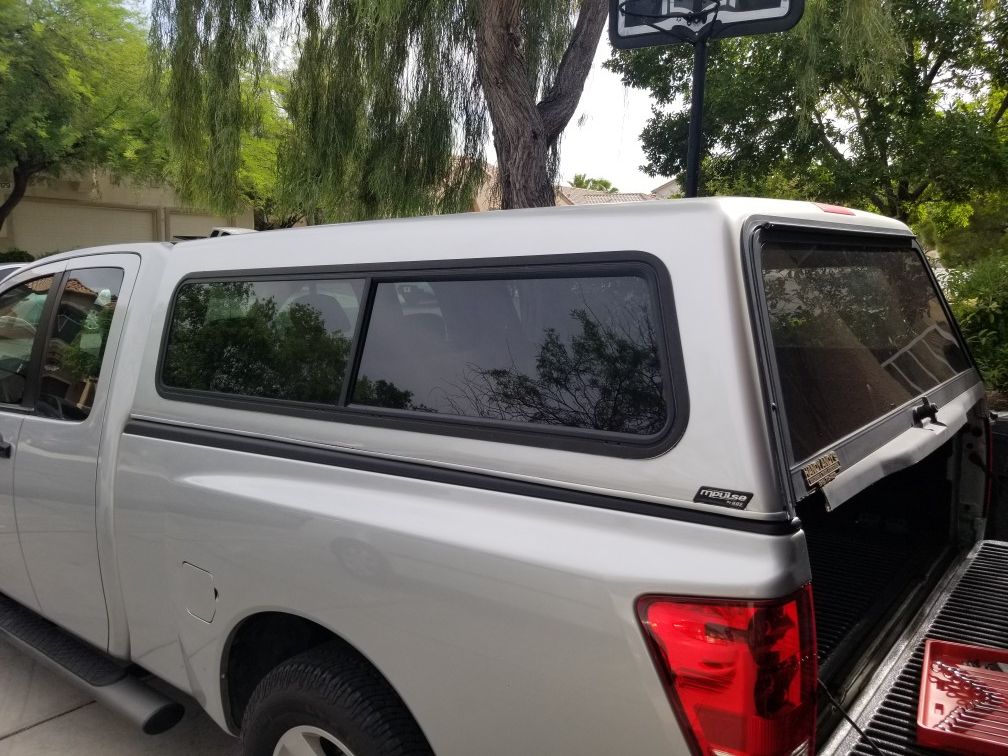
(969, 606)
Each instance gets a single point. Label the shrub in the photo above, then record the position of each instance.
(979, 299)
(15, 256)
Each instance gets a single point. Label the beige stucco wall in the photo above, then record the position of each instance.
(91, 210)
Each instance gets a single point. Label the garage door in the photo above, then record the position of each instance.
(43, 227)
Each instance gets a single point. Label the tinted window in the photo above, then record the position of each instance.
(20, 316)
(274, 339)
(76, 343)
(857, 333)
(575, 352)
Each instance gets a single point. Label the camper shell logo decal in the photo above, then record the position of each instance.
(723, 497)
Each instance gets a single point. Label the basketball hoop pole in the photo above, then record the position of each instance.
(696, 116)
(648, 23)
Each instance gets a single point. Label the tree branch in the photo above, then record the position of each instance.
(917, 193)
(929, 77)
(878, 201)
(832, 148)
(1000, 111)
(561, 100)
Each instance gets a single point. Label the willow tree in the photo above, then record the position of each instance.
(389, 100)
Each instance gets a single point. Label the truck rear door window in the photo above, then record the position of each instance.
(857, 332)
(283, 339)
(571, 351)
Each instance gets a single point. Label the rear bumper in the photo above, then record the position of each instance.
(970, 605)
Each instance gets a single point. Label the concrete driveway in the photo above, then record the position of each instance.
(40, 714)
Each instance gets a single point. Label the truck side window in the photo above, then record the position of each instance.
(572, 351)
(286, 339)
(76, 344)
(20, 315)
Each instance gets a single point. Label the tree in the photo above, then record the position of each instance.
(965, 233)
(258, 176)
(71, 95)
(888, 104)
(388, 101)
(581, 181)
(257, 182)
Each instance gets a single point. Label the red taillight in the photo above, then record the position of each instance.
(740, 674)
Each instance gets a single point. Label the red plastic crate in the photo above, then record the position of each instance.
(964, 699)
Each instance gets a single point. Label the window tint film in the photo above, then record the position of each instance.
(856, 333)
(574, 352)
(20, 316)
(273, 339)
(76, 344)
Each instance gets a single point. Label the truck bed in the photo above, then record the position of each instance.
(970, 606)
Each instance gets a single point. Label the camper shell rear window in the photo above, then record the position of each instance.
(574, 352)
(856, 328)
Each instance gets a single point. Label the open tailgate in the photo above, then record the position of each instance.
(969, 606)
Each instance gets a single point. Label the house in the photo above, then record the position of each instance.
(487, 199)
(569, 195)
(668, 189)
(85, 211)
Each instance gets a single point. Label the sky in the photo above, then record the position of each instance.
(603, 138)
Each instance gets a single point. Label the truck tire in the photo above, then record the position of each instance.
(329, 701)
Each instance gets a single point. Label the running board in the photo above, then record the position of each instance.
(107, 680)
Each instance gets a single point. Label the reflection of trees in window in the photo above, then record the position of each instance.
(606, 378)
(381, 393)
(880, 301)
(226, 339)
(83, 359)
(878, 297)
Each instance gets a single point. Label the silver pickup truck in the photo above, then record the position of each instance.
(690, 477)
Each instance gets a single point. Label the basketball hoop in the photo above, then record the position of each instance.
(649, 23)
(645, 23)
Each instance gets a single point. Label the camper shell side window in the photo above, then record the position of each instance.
(575, 351)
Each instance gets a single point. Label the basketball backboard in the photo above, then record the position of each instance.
(645, 23)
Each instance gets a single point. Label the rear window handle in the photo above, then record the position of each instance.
(925, 410)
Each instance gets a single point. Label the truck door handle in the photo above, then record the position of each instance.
(5, 448)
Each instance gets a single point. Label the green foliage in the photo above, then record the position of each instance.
(967, 232)
(979, 299)
(882, 104)
(384, 111)
(15, 256)
(71, 94)
(258, 177)
(81, 360)
(257, 182)
(581, 181)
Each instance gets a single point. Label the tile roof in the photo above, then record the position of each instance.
(577, 196)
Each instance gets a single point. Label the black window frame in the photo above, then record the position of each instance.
(855, 446)
(591, 264)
